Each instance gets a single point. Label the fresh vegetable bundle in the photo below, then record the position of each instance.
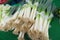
(33, 18)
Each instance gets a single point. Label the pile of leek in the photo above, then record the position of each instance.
(31, 18)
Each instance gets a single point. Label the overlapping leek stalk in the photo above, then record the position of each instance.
(29, 19)
(39, 30)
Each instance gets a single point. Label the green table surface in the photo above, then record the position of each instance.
(54, 31)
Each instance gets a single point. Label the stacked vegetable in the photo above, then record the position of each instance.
(32, 18)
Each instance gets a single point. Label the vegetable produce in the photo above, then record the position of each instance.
(33, 18)
(4, 9)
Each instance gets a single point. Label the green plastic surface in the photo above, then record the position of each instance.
(54, 31)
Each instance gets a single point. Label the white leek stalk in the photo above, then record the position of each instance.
(33, 13)
(40, 27)
(25, 26)
(3, 11)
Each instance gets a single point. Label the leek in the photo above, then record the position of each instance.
(31, 18)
